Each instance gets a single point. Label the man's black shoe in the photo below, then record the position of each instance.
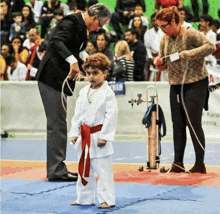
(73, 173)
(68, 177)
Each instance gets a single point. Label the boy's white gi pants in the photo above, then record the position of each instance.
(105, 191)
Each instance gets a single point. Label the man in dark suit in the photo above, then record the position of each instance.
(60, 62)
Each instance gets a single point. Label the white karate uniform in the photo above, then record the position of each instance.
(102, 110)
(19, 74)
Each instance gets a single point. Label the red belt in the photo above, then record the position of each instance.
(85, 134)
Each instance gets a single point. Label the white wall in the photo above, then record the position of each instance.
(22, 110)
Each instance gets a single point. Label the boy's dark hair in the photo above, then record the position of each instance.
(207, 18)
(9, 59)
(219, 13)
(16, 14)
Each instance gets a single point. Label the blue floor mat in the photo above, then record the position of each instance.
(22, 196)
(125, 151)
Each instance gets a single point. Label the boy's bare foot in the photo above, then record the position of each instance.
(104, 205)
(74, 203)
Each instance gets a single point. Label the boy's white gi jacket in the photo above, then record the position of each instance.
(103, 110)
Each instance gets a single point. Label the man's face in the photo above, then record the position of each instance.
(4, 51)
(32, 35)
(3, 8)
(95, 23)
(129, 37)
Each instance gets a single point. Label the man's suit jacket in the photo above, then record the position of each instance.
(68, 38)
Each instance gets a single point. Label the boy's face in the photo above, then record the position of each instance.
(96, 77)
(18, 19)
(138, 10)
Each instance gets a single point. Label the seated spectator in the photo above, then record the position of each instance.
(28, 18)
(17, 28)
(6, 21)
(139, 12)
(58, 15)
(139, 28)
(2, 67)
(152, 39)
(30, 41)
(206, 23)
(16, 70)
(36, 6)
(124, 11)
(123, 54)
(5, 52)
(21, 54)
(102, 47)
(138, 52)
(90, 47)
(167, 3)
(35, 59)
(183, 17)
(47, 13)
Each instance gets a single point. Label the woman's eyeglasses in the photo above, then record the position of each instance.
(163, 26)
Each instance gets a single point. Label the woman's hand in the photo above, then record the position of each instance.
(158, 61)
(101, 143)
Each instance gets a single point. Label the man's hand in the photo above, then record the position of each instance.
(101, 143)
(74, 71)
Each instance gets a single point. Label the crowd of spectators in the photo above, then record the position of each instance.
(134, 39)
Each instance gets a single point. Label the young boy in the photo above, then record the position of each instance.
(139, 12)
(16, 70)
(96, 112)
(17, 28)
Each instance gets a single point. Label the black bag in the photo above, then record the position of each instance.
(119, 71)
